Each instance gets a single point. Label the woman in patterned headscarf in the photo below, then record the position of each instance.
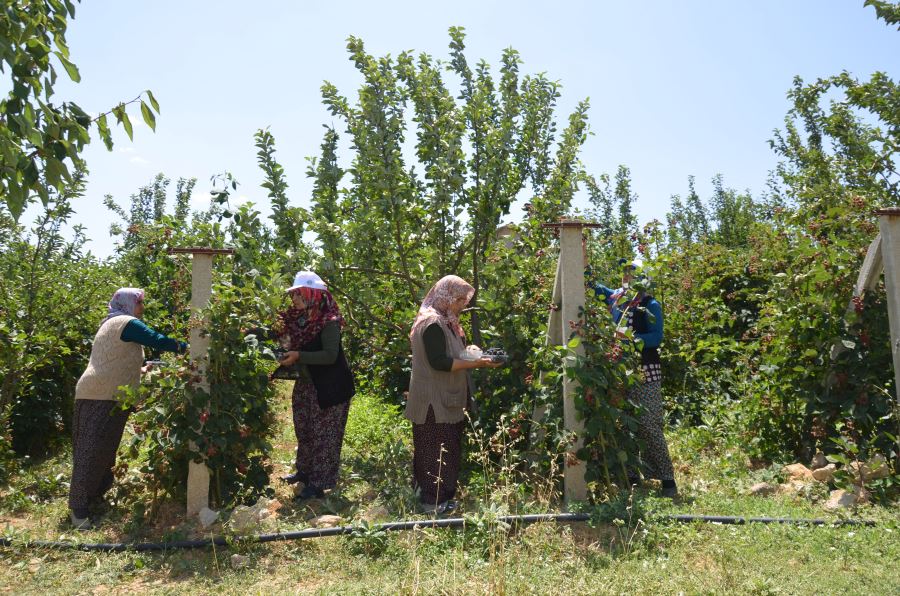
(311, 331)
(439, 391)
(117, 356)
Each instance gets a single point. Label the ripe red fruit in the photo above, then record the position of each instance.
(864, 338)
(204, 416)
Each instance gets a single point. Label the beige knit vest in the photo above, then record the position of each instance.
(114, 363)
(446, 392)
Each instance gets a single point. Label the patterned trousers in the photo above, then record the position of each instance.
(437, 450)
(655, 454)
(96, 432)
(320, 435)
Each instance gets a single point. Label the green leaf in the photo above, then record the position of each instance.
(574, 342)
(54, 172)
(153, 101)
(15, 199)
(149, 118)
(71, 69)
(103, 128)
(126, 124)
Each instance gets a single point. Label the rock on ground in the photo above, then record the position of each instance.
(798, 472)
(792, 487)
(377, 513)
(246, 519)
(825, 474)
(239, 561)
(207, 517)
(326, 521)
(818, 461)
(761, 489)
(842, 499)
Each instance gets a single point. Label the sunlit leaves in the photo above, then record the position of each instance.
(41, 141)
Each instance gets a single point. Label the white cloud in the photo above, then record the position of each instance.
(138, 160)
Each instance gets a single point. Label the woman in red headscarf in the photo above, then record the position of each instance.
(311, 331)
(439, 391)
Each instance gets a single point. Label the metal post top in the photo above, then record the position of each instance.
(199, 250)
(889, 211)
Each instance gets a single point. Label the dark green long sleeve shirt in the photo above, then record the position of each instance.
(138, 332)
(331, 345)
(436, 348)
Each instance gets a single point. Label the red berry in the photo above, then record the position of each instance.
(864, 338)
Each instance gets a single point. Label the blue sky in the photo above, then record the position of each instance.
(676, 88)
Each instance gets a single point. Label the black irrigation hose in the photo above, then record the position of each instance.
(728, 520)
(453, 522)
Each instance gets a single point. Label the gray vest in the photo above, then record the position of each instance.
(446, 392)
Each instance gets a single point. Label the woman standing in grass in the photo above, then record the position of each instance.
(439, 391)
(642, 313)
(116, 360)
(311, 330)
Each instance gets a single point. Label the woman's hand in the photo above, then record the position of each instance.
(487, 362)
(289, 358)
(483, 362)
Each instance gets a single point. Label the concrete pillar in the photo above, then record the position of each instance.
(571, 273)
(569, 294)
(201, 291)
(889, 224)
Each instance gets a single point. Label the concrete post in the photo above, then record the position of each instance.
(889, 224)
(571, 270)
(569, 294)
(201, 292)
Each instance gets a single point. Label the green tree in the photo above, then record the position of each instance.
(889, 12)
(41, 141)
(288, 239)
(395, 223)
(52, 297)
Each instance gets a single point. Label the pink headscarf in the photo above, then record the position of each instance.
(123, 302)
(438, 300)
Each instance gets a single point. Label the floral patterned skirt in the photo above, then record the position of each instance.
(96, 432)
(320, 435)
(437, 451)
(655, 454)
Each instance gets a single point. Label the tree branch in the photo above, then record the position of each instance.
(400, 275)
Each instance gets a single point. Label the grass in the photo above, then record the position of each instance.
(622, 556)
